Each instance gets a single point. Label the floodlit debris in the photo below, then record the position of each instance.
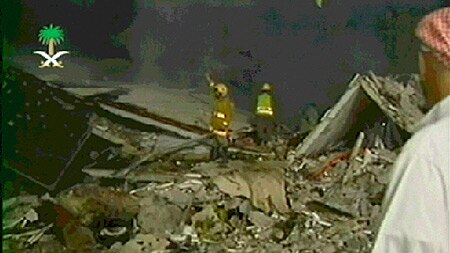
(157, 217)
(19, 210)
(260, 219)
(265, 187)
(145, 243)
(150, 186)
(365, 93)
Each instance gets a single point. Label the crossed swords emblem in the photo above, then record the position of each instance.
(51, 59)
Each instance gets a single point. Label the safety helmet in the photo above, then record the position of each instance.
(266, 87)
(221, 89)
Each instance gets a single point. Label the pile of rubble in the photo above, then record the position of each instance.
(345, 189)
(199, 211)
(253, 207)
(323, 196)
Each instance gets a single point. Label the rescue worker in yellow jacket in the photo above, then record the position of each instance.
(220, 122)
(264, 114)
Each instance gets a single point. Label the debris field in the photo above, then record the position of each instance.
(116, 176)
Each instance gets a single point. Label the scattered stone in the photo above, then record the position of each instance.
(260, 219)
(326, 198)
(265, 187)
(159, 219)
(145, 243)
(177, 197)
(78, 237)
(19, 210)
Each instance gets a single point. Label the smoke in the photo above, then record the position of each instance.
(175, 43)
(309, 54)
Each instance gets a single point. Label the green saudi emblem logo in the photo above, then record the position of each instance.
(51, 36)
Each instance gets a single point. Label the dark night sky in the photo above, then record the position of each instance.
(308, 53)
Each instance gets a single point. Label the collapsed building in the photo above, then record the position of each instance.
(369, 102)
(125, 169)
(51, 126)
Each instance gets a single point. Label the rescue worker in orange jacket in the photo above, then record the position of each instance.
(264, 115)
(220, 122)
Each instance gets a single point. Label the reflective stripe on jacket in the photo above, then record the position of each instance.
(221, 133)
(222, 114)
(219, 115)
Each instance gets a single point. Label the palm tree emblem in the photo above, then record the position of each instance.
(51, 36)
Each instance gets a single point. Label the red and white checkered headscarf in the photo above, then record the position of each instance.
(434, 31)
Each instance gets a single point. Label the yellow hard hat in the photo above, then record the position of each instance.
(221, 89)
(266, 87)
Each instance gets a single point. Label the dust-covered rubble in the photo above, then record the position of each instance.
(324, 201)
(200, 213)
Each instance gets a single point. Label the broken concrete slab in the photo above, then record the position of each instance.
(88, 92)
(211, 169)
(19, 210)
(174, 135)
(210, 222)
(234, 185)
(13, 203)
(133, 142)
(159, 218)
(193, 111)
(399, 101)
(79, 238)
(102, 173)
(177, 197)
(260, 219)
(87, 201)
(149, 119)
(48, 245)
(194, 114)
(145, 243)
(137, 177)
(264, 185)
(334, 123)
(346, 114)
(148, 112)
